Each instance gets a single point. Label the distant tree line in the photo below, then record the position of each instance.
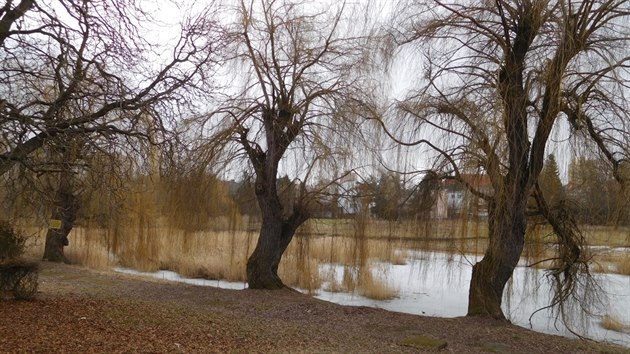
(591, 193)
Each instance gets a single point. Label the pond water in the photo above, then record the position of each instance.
(436, 284)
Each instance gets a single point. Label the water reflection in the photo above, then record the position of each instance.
(436, 284)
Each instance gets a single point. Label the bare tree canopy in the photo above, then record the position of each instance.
(84, 67)
(499, 77)
(81, 82)
(299, 92)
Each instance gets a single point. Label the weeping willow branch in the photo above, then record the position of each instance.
(570, 277)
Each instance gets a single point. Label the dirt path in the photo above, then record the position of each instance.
(83, 311)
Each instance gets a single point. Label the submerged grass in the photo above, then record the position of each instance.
(611, 322)
(364, 281)
(377, 289)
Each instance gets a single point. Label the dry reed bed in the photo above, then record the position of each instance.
(222, 254)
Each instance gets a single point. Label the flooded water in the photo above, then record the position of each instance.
(172, 276)
(436, 284)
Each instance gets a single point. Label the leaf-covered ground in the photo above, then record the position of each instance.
(83, 311)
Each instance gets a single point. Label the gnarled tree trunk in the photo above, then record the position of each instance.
(262, 265)
(507, 223)
(507, 220)
(276, 233)
(62, 220)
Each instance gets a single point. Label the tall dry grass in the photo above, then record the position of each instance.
(611, 236)
(595, 235)
(611, 322)
(89, 247)
(611, 262)
(150, 244)
(367, 282)
(156, 231)
(147, 246)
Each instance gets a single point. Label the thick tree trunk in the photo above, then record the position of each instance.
(262, 265)
(276, 233)
(62, 220)
(507, 223)
(506, 219)
(279, 222)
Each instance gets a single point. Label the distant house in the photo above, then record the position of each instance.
(461, 201)
(339, 197)
(454, 196)
(346, 187)
(441, 206)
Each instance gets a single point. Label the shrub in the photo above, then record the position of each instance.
(20, 278)
(11, 242)
(16, 276)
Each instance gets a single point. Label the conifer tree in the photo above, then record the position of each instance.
(550, 183)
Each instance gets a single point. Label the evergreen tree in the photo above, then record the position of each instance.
(550, 183)
(388, 196)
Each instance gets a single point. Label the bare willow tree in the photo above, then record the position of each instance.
(499, 77)
(298, 100)
(75, 70)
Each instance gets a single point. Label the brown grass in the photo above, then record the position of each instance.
(598, 267)
(623, 265)
(602, 262)
(361, 281)
(348, 281)
(399, 257)
(611, 322)
(149, 243)
(611, 262)
(607, 235)
(612, 236)
(405, 230)
(375, 288)
(200, 254)
(89, 248)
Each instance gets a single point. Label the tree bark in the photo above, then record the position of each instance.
(507, 224)
(62, 220)
(279, 222)
(277, 230)
(11, 15)
(262, 265)
(507, 220)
